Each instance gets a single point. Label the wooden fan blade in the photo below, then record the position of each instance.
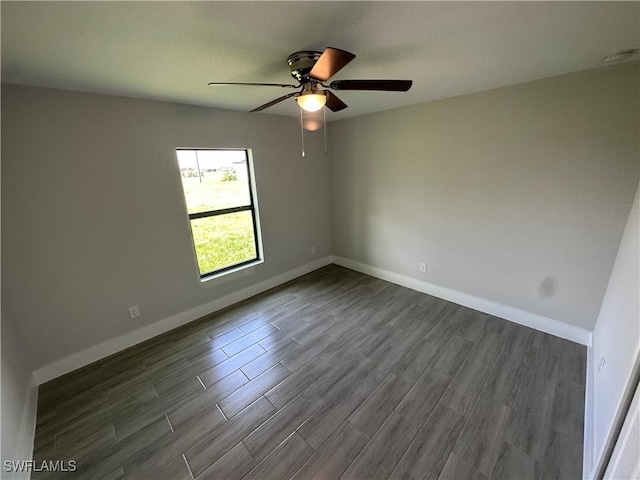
(273, 102)
(384, 85)
(334, 103)
(329, 63)
(226, 84)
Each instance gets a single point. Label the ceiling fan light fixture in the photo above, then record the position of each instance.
(311, 100)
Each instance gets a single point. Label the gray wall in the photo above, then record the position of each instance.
(518, 195)
(19, 400)
(93, 217)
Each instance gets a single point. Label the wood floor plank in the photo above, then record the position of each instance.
(505, 379)
(430, 449)
(272, 357)
(374, 343)
(407, 340)
(296, 360)
(349, 326)
(420, 401)
(178, 385)
(118, 474)
(209, 353)
(287, 322)
(541, 374)
(233, 393)
(232, 404)
(372, 374)
(83, 426)
(128, 390)
(325, 421)
(137, 416)
(382, 454)
(275, 339)
(255, 324)
(401, 474)
(81, 448)
(290, 387)
(529, 427)
(568, 410)
(337, 349)
(335, 455)
(211, 448)
(222, 369)
(155, 456)
(314, 331)
(409, 318)
(446, 326)
(219, 340)
(514, 463)
(564, 458)
(465, 387)
(416, 361)
(519, 341)
(174, 470)
(118, 454)
(572, 362)
(481, 438)
(473, 325)
(452, 355)
(372, 413)
(284, 461)
(163, 360)
(233, 465)
(274, 431)
(45, 448)
(499, 325)
(249, 339)
(487, 348)
(207, 399)
(456, 469)
(337, 377)
(544, 341)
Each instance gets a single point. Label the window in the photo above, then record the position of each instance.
(220, 198)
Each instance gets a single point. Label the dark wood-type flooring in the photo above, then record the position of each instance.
(333, 375)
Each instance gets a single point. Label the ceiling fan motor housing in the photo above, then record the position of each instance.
(301, 64)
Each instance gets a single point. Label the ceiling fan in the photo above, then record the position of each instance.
(311, 69)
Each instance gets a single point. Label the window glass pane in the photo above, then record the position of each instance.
(223, 240)
(213, 180)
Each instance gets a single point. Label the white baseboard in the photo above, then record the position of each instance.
(589, 440)
(115, 345)
(538, 322)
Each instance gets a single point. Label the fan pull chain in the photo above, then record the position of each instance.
(302, 131)
(324, 127)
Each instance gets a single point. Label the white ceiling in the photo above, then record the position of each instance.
(170, 50)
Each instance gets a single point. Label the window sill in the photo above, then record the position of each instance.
(229, 275)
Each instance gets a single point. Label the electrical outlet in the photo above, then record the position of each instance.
(423, 267)
(134, 312)
(313, 250)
